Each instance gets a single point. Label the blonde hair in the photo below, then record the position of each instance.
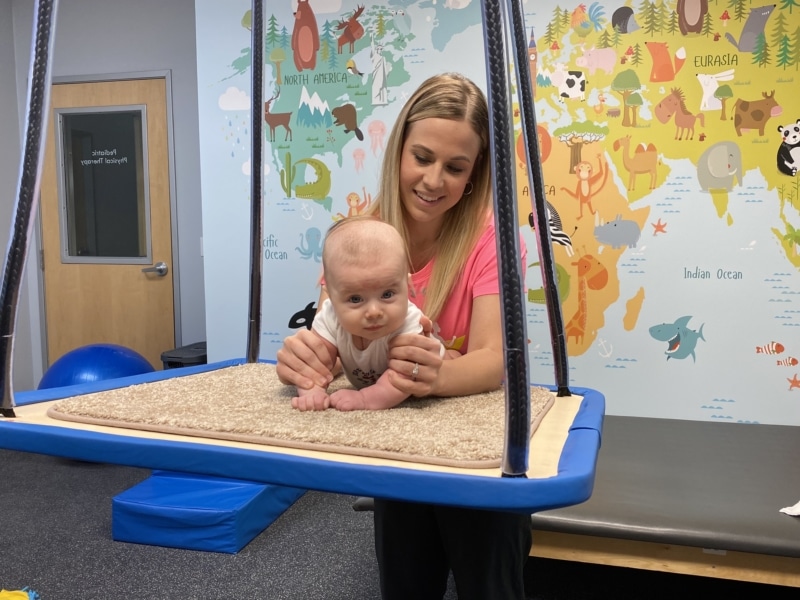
(354, 239)
(446, 96)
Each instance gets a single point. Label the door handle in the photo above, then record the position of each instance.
(159, 268)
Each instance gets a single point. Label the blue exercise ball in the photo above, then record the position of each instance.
(95, 362)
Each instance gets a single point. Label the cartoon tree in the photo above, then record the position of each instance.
(636, 57)
(626, 83)
(739, 9)
(634, 101)
(549, 36)
(284, 38)
(556, 18)
(328, 33)
(778, 29)
(578, 134)
(333, 57)
(272, 32)
(784, 52)
(325, 51)
(796, 48)
(723, 93)
(790, 4)
(247, 20)
(277, 56)
(557, 25)
(380, 26)
(327, 43)
(604, 41)
(650, 19)
(616, 37)
(663, 16)
(564, 20)
(708, 25)
(673, 26)
(792, 237)
(761, 51)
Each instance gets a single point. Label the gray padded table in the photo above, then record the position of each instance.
(711, 485)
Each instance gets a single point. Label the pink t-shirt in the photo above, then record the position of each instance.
(480, 278)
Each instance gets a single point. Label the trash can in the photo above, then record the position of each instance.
(185, 356)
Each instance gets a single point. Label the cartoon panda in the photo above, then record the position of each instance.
(789, 151)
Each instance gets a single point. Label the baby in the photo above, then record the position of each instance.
(365, 265)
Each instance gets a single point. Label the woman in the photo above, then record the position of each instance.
(435, 189)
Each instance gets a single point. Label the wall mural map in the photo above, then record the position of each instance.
(670, 141)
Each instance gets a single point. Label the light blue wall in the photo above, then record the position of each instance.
(101, 37)
(733, 372)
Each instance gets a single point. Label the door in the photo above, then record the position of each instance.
(105, 216)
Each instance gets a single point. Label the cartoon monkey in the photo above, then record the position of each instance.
(587, 183)
(357, 207)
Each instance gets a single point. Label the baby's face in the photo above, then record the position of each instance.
(369, 298)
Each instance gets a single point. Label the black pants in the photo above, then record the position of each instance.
(418, 544)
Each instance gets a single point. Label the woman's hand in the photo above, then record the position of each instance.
(304, 361)
(414, 363)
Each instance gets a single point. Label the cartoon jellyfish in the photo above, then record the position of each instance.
(376, 131)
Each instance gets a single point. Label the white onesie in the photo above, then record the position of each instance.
(362, 367)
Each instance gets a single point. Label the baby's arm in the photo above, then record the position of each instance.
(316, 398)
(382, 394)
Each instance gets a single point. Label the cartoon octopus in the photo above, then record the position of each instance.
(311, 244)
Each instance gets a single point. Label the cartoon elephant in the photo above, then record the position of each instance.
(719, 166)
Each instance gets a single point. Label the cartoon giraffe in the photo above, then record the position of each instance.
(593, 274)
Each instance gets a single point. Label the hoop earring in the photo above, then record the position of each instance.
(471, 187)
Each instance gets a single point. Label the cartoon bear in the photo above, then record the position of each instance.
(789, 151)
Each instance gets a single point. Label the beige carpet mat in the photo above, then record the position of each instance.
(247, 403)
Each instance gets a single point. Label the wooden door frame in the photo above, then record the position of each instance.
(174, 266)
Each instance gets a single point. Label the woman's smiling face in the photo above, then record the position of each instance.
(436, 163)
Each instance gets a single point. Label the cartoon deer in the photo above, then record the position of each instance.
(352, 30)
(275, 120)
(593, 274)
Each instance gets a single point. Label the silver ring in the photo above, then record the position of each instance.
(415, 372)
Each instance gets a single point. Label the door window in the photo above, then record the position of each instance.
(103, 185)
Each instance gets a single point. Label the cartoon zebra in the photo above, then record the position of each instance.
(557, 233)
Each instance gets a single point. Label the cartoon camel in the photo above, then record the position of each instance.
(643, 160)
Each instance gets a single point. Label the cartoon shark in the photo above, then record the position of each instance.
(681, 341)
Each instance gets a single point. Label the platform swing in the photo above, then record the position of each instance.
(552, 468)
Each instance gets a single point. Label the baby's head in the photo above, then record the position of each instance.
(365, 265)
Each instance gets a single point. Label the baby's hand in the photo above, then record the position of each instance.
(348, 400)
(316, 399)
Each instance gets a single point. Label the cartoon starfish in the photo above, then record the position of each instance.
(794, 382)
(659, 227)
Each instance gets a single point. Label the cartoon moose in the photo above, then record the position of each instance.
(353, 30)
